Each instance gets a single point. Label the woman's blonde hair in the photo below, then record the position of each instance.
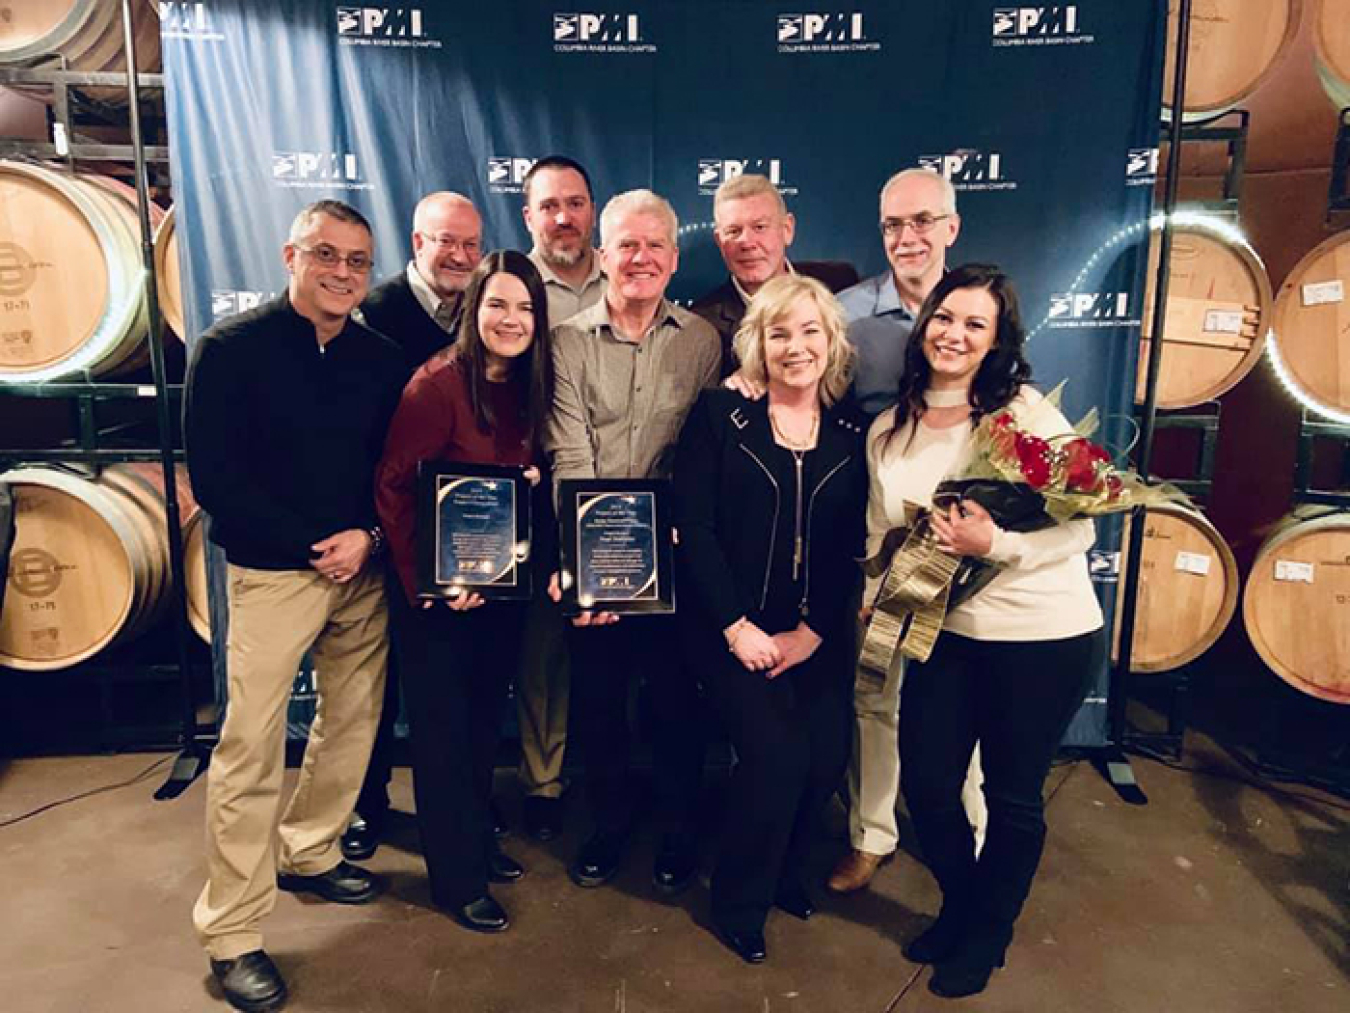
(773, 302)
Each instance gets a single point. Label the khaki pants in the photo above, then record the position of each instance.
(542, 693)
(874, 769)
(275, 616)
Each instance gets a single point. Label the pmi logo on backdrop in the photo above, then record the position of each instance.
(391, 27)
(968, 169)
(1141, 167)
(586, 32)
(188, 21)
(713, 172)
(1091, 309)
(824, 33)
(226, 302)
(317, 170)
(1045, 25)
(1104, 566)
(506, 174)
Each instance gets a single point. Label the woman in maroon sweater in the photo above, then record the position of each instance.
(482, 401)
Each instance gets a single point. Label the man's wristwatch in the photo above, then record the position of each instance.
(377, 540)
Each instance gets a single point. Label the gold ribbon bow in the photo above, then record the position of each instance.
(912, 601)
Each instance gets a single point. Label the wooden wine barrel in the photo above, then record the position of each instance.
(72, 295)
(88, 568)
(168, 280)
(1312, 326)
(1331, 45)
(1188, 589)
(1234, 44)
(1297, 604)
(194, 562)
(1218, 312)
(81, 35)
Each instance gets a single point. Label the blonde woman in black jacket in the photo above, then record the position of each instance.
(770, 500)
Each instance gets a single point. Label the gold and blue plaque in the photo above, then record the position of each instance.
(473, 531)
(616, 545)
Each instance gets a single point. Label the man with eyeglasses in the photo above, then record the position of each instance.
(753, 230)
(284, 419)
(418, 309)
(918, 224)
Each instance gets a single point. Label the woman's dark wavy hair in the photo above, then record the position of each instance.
(536, 363)
(1003, 370)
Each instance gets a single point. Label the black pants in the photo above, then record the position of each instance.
(455, 668)
(1016, 699)
(791, 736)
(605, 659)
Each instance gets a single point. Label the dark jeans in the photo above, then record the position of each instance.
(1016, 698)
(791, 736)
(455, 668)
(605, 659)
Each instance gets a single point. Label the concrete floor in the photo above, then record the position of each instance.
(1215, 897)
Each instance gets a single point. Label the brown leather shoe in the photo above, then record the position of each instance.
(855, 870)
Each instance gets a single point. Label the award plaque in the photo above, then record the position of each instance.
(616, 545)
(473, 531)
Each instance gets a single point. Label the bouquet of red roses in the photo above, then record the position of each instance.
(1026, 482)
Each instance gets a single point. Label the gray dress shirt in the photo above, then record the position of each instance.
(564, 301)
(878, 327)
(619, 404)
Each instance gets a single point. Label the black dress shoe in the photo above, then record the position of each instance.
(482, 915)
(939, 941)
(675, 863)
(793, 898)
(251, 982)
(598, 860)
(967, 971)
(344, 883)
(543, 817)
(502, 868)
(500, 828)
(749, 946)
(362, 837)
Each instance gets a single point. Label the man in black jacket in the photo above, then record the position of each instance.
(753, 231)
(419, 310)
(285, 414)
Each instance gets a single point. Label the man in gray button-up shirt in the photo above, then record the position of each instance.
(627, 373)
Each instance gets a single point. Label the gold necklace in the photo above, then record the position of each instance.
(791, 444)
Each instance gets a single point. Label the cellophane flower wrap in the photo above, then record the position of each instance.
(1027, 482)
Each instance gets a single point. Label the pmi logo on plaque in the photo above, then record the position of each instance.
(713, 172)
(1091, 309)
(1045, 25)
(824, 33)
(392, 27)
(226, 302)
(188, 21)
(968, 169)
(587, 32)
(1141, 167)
(506, 174)
(317, 170)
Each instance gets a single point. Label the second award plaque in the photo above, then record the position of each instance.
(473, 531)
(616, 545)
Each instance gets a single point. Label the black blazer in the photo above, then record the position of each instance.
(724, 308)
(726, 500)
(392, 308)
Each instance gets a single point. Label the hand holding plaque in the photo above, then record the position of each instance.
(616, 546)
(473, 531)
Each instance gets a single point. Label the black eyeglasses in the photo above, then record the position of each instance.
(922, 224)
(328, 256)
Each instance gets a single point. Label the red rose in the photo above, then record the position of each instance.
(1113, 487)
(1034, 458)
(1081, 458)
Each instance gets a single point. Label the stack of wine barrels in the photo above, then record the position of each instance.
(83, 35)
(1218, 312)
(1234, 45)
(1312, 326)
(1188, 589)
(90, 562)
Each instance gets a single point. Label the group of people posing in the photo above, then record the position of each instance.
(797, 428)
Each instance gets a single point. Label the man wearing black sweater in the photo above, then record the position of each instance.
(285, 414)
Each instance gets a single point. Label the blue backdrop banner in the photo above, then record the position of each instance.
(1044, 117)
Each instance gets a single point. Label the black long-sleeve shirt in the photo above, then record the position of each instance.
(283, 434)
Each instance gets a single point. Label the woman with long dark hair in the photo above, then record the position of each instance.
(482, 401)
(1014, 660)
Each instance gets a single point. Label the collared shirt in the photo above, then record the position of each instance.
(619, 404)
(564, 301)
(879, 326)
(746, 296)
(444, 311)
